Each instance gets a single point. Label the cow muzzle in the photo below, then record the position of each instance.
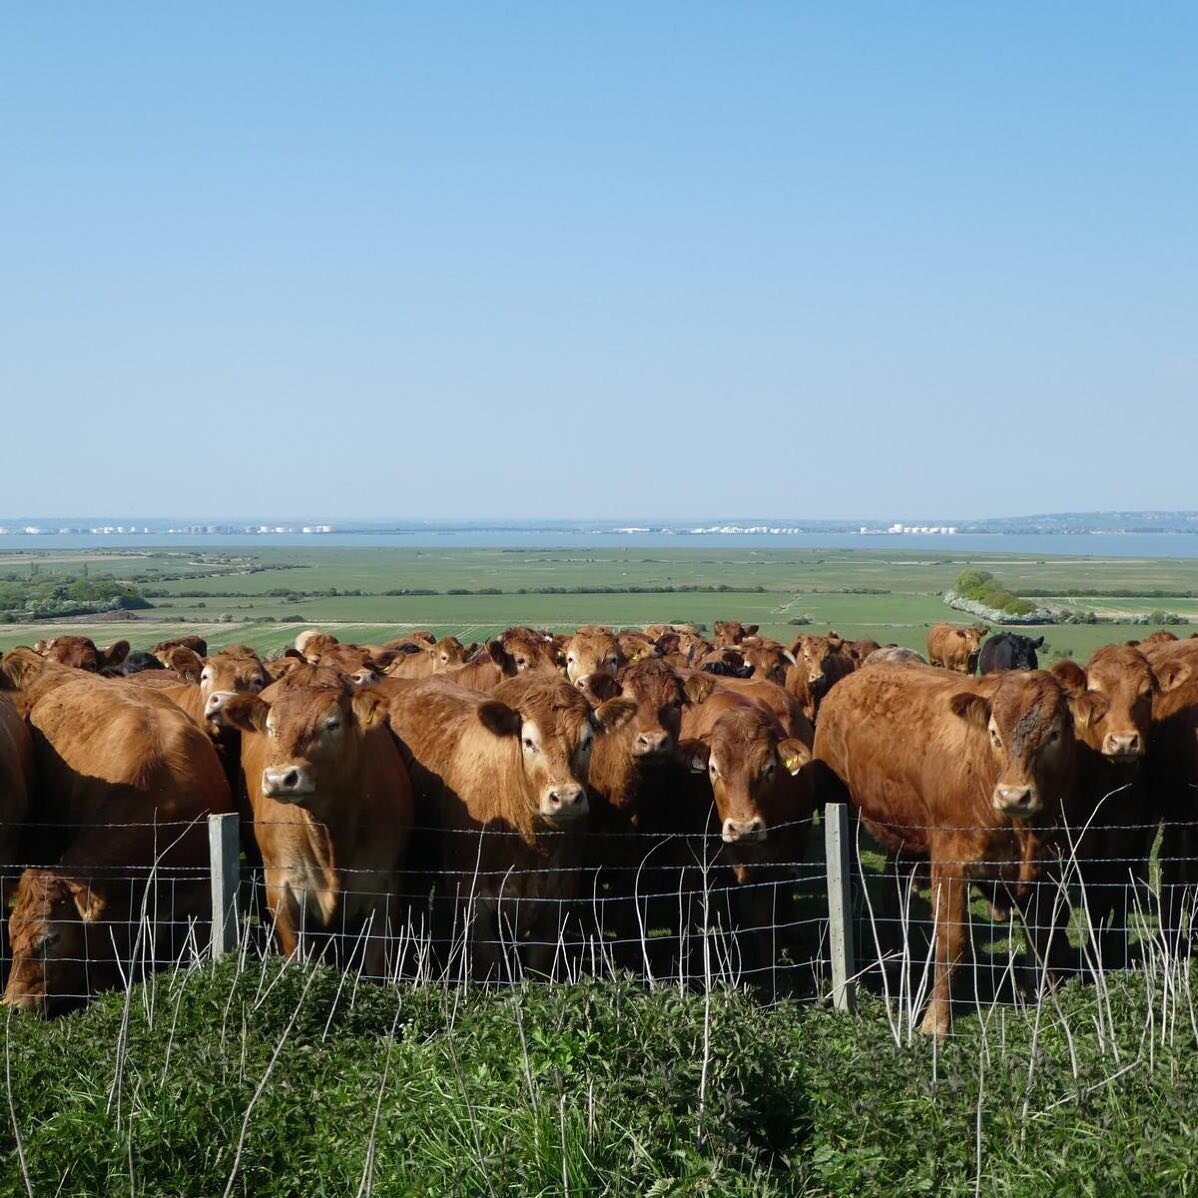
(1019, 801)
(1123, 747)
(652, 744)
(744, 831)
(564, 803)
(287, 783)
(215, 703)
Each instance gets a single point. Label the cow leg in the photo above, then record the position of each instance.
(949, 892)
(284, 912)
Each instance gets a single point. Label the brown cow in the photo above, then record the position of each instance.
(128, 779)
(967, 772)
(955, 648)
(591, 651)
(503, 777)
(727, 633)
(332, 807)
(438, 658)
(196, 644)
(633, 784)
(16, 781)
(1114, 826)
(636, 646)
(820, 663)
(894, 653)
(80, 653)
(749, 774)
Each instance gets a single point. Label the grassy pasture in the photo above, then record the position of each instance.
(226, 593)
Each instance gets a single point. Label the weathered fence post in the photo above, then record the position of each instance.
(224, 851)
(840, 906)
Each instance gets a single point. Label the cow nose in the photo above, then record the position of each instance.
(815, 679)
(216, 701)
(285, 782)
(1016, 800)
(744, 831)
(581, 681)
(567, 801)
(648, 743)
(1127, 744)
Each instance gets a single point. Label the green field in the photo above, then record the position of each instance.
(262, 596)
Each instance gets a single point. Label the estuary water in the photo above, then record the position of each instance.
(1126, 545)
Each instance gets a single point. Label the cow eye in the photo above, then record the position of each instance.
(333, 723)
(48, 941)
(206, 676)
(995, 739)
(530, 745)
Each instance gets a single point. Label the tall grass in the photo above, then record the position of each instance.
(258, 1077)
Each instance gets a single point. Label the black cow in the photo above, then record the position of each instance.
(1009, 651)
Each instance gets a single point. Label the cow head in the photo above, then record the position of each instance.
(592, 651)
(54, 918)
(555, 727)
(1111, 701)
(311, 724)
(816, 656)
(1026, 719)
(448, 653)
(744, 756)
(523, 650)
(80, 652)
(657, 691)
(236, 670)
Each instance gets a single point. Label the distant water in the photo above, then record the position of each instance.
(1167, 545)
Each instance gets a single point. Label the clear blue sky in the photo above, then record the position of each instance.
(614, 259)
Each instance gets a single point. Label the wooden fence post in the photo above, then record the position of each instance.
(224, 852)
(840, 906)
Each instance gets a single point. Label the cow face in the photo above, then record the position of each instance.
(732, 632)
(656, 724)
(1111, 701)
(768, 661)
(816, 658)
(556, 728)
(313, 735)
(592, 652)
(524, 651)
(745, 756)
(447, 654)
(1026, 720)
(972, 640)
(236, 673)
(53, 918)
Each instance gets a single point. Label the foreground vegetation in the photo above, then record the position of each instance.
(283, 1080)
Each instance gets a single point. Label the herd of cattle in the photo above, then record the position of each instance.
(488, 788)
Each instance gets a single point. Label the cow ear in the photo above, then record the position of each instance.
(793, 754)
(245, 712)
(500, 719)
(113, 655)
(185, 662)
(19, 667)
(751, 629)
(610, 715)
(1088, 708)
(89, 902)
(1172, 675)
(971, 707)
(1071, 676)
(694, 755)
(697, 688)
(294, 654)
(370, 709)
(501, 657)
(1038, 643)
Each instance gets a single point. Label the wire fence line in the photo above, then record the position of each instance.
(681, 909)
